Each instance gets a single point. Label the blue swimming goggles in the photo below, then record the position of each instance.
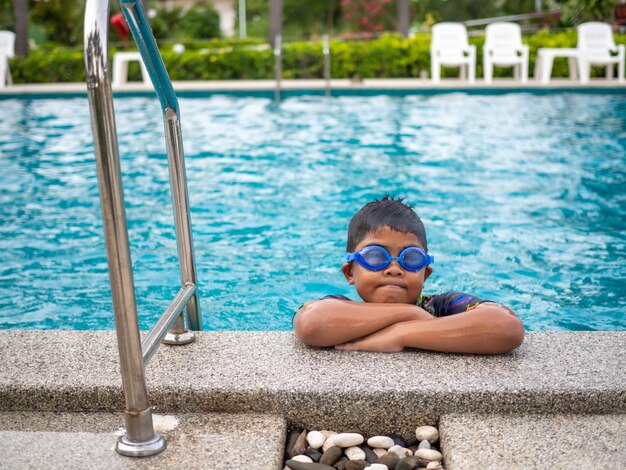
(377, 258)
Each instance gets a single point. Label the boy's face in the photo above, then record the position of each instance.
(392, 284)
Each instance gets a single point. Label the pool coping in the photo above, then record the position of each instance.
(339, 87)
(271, 372)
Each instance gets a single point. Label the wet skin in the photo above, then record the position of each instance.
(389, 320)
(392, 284)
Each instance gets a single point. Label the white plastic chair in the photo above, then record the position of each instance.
(449, 47)
(7, 50)
(595, 45)
(503, 47)
(120, 68)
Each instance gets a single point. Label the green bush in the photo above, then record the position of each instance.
(215, 43)
(389, 56)
(219, 64)
(48, 66)
(386, 57)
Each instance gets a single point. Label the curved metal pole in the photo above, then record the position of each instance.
(140, 438)
(278, 65)
(151, 56)
(326, 51)
(140, 29)
(150, 343)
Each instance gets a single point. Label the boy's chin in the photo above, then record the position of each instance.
(391, 299)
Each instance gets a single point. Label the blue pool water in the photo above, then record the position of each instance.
(523, 197)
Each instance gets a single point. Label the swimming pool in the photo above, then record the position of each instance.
(522, 195)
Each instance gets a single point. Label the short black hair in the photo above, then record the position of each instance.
(388, 212)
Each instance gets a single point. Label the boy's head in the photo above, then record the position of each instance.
(393, 226)
(388, 212)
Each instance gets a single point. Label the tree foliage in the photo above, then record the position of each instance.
(301, 19)
(580, 11)
(462, 10)
(199, 22)
(372, 16)
(166, 22)
(62, 20)
(202, 21)
(6, 15)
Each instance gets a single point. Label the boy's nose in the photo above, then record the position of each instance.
(394, 269)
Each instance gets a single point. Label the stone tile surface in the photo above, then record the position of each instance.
(86, 440)
(271, 372)
(513, 442)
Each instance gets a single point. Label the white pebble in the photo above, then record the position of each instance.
(329, 442)
(355, 453)
(377, 466)
(400, 451)
(347, 439)
(424, 445)
(380, 452)
(428, 433)
(315, 439)
(164, 423)
(382, 442)
(434, 465)
(428, 454)
(302, 458)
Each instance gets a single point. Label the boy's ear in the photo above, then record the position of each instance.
(346, 268)
(427, 272)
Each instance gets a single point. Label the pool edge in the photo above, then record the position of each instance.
(338, 87)
(270, 372)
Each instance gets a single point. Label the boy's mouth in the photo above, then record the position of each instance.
(392, 286)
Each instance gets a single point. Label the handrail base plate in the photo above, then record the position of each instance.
(129, 448)
(179, 338)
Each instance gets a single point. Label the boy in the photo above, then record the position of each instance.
(388, 263)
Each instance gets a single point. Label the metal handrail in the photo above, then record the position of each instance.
(520, 17)
(140, 29)
(150, 343)
(326, 52)
(278, 66)
(140, 439)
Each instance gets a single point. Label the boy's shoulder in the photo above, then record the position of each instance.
(438, 305)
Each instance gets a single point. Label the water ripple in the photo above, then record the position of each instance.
(522, 195)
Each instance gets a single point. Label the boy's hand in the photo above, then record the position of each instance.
(386, 340)
(488, 329)
(330, 322)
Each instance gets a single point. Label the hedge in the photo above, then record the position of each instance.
(389, 56)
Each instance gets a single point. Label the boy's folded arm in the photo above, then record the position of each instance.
(487, 329)
(329, 322)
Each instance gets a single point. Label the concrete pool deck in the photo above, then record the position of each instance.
(568, 387)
